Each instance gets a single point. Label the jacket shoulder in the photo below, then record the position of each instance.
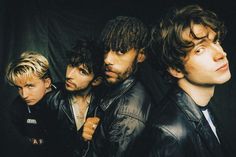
(55, 99)
(135, 103)
(170, 119)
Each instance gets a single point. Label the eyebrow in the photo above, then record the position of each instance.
(216, 37)
(202, 40)
(84, 68)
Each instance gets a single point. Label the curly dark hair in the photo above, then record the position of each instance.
(88, 53)
(167, 43)
(124, 33)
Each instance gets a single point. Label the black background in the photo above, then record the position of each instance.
(51, 26)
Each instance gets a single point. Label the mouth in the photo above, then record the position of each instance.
(69, 83)
(109, 73)
(28, 101)
(223, 67)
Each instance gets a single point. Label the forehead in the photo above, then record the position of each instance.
(80, 66)
(23, 80)
(198, 32)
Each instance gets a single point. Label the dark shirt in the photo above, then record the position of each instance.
(25, 131)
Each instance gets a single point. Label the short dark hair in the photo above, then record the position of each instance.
(124, 33)
(167, 40)
(86, 52)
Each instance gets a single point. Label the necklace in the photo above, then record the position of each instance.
(80, 109)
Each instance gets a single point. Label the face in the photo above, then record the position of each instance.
(206, 62)
(78, 79)
(119, 66)
(32, 89)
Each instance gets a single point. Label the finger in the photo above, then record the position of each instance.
(87, 137)
(88, 130)
(94, 120)
(91, 125)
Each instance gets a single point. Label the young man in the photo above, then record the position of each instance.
(125, 105)
(70, 106)
(192, 57)
(27, 135)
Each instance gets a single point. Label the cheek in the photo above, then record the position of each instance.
(127, 64)
(40, 90)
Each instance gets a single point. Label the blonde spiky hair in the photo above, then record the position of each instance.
(28, 64)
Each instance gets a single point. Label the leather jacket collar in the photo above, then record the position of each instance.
(189, 107)
(194, 114)
(67, 107)
(113, 93)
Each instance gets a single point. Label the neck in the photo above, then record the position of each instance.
(82, 96)
(201, 94)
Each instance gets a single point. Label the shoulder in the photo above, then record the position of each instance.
(135, 103)
(18, 103)
(55, 98)
(17, 108)
(170, 120)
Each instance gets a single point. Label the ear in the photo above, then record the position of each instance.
(47, 82)
(97, 81)
(141, 56)
(175, 72)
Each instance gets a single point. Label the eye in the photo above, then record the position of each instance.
(217, 42)
(83, 72)
(19, 88)
(30, 86)
(120, 52)
(199, 50)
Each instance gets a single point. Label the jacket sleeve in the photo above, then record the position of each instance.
(163, 143)
(122, 133)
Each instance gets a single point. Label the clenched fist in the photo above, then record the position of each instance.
(89, 128)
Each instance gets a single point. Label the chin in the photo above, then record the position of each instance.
(69, 89)
(111, 81)
(224, 78)
(31, 104)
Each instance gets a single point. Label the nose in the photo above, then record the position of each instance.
(70, 71)
(219, 52)
(24, 93)
(108, 58)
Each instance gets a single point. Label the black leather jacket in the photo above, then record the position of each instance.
(179, 129)
(124, 110)
(65, 140)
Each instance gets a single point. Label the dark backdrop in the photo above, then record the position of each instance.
(51, 26)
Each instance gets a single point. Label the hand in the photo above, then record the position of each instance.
(89, 128)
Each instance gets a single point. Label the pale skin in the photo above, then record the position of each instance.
(81, 81)
(32, 88)
(90, 127)
(206, 65)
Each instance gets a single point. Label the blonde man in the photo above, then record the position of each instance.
(30, 75)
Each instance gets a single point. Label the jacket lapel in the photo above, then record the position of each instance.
(200, 124)
(208, 138)
(68, 111)
(116, 92)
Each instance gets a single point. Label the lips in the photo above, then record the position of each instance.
(110, 73)
(28, 101)
(223, 67)
(69, 83)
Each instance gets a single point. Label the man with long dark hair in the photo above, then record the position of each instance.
(71, 109)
